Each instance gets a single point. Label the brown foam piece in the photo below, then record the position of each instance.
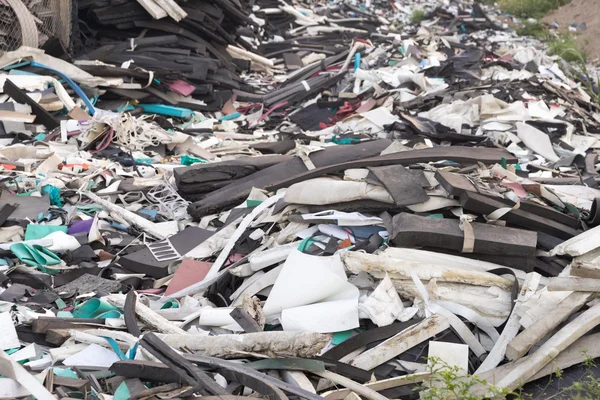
(188, 273)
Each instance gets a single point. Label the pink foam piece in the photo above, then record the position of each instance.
(188, 273)
(182, 87)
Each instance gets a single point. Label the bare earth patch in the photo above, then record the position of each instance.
(581, 11)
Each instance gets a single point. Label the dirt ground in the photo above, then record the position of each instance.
(578, 11)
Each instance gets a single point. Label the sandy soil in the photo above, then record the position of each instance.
(578, 11)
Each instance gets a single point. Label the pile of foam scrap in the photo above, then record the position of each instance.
(313, 200)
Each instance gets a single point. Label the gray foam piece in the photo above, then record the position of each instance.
(10, 126)
(143, 261)
(29, 207)
(90, 283)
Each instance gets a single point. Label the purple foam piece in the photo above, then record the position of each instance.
(80, 226)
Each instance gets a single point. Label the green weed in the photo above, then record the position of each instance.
(417, 16)
(530, 8)
(448, 382)
(534, 30)
(565, 46)
(586, 388)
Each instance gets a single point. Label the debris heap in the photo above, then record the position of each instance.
(312, 200)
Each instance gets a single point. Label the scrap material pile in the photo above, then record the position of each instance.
(249, 199)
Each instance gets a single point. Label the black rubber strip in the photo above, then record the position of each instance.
(249, 377)
(347, 370)
(129, 314)
(146, 370)
(6, 211)
(20, 96)
(191, 374)
(365, 338)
